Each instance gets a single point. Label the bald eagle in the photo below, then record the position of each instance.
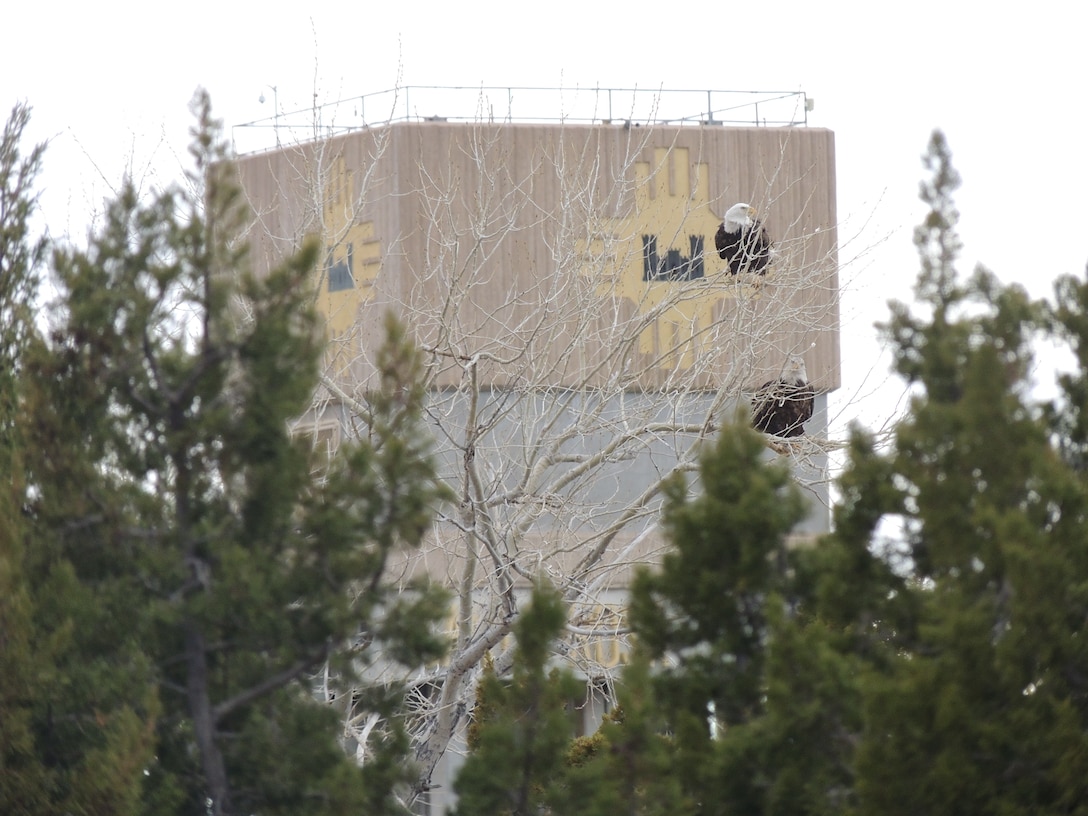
(742, 241)
(781, 407)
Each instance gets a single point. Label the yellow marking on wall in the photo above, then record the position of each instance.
(671, 206)
(352, 257)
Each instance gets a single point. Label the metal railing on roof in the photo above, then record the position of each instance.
(510, 104)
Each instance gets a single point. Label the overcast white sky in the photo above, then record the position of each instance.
(110, 84)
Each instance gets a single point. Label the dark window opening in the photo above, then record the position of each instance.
(674, 266)
(341, 273)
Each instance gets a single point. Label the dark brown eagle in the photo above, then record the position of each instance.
(743, 241)
(781, 407)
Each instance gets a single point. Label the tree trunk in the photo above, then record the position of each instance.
(200, 708)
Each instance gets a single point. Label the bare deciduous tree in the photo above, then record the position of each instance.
(584, 340)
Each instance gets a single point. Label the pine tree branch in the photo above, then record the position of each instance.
(272, 683)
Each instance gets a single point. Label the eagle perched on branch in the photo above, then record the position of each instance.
(782, 407)
(742, 241)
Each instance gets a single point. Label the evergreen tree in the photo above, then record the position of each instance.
(209, 562)
(628, 765)
(976, 703)
(521, 729)
(704, 617)
(755, 692)
(1068, 416)
(736, 699)
(94, 768)
(23, 780)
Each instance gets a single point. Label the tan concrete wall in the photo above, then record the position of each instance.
(497, 224)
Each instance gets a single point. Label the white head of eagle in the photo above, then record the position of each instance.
(742, 241)
(782, 407)
(737, 216)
